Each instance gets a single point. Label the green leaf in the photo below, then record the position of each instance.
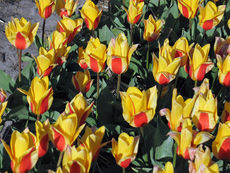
(165, 150)
(182, 73)
(6, 82)
(38, 42)
(20, 113)
(105, 34)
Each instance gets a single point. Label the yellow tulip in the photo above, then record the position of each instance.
(22, 151)
(2, 109)
(199, 62)
(79, 106)
(45, 61)
(39, 96)
(70, 26)
(95, 55)
(152, 28)
(139, 107)
(223, 64)
(81, 58)
(76, 160)
(91, 14)
(45, 7)
(21, 33)
(135, 11)
(210, 15)
(229, 23)
(119, 54)
(222, 46)
(221, 144)
(64, 131)
(189, 8)
(125, 150)
(66, 7)
(166, 66)
(82, 81)
(168, 168)
(225, 116)
(2, 95)
(203, 161)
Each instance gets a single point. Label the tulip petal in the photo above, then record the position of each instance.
(20, 41)
(208, 24)
(224, 151)
(125, 163)
(59, 140)
(140, 119)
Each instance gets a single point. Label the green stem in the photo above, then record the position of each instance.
(59, 159)
(142, 132)
(190, 27)
(38, 117)
(19, 64)
(43, 31)
(118, 85)
(159, 91)
(195, 83)
(123, 170)
(147, 58)
(174, 155)
(131, 33)
(97, 85)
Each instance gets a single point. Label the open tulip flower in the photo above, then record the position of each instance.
(221, 144)
(22, 151)
(2, 95)
(76, 160)
(168, 168)
(223, 64)
(189, 8)
(125, 150)
(91, 14)
(45, 7)
(21, 33)
(79, 106)
(188, 139)
(39, 96)
(210, 15)
(65, 131)
(139, 107)
(166, 66)
(70, 26)
(199, 63)
(81, 58)
(66, 7)
(119, 54)
(135, 11)
(82, 81)
(45, 61)
(152, 28)
(2, 109)
(225, 116)
(222, 46)
(203, 161)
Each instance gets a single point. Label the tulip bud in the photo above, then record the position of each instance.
(188, 8)
(135, 11)
(45, 7)
(66, 7)
(224, 70)
(2, 95)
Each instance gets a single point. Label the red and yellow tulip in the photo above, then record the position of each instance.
(66, 7)
(2, 109)
(45, 7)
(21, 33)
(189, 8)
(223, 64)
(222, 46)
(81, 58)
(125, 150)
(91, 14)
(168, 168)
(135, 11)
(210, 15)
(225, 116)
(119, 54)
(2, 95)
(39, 96)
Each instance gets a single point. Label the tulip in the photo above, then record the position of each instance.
(22, 151)
(139, 107)
(199, 63)
(76, 160)
(45, 62)
(2, 95)
(224, 69)
(125, 150)
(39, 96)
(166, 66)
(188, 139)
(229, 23)
(82, 81)
(135, 11)
(59, 170)
(203, 162)
(225, 116)
(91, 14)
(66, 7)
(168, 168)
(70, 27)
(81, 58)
(152, 28)
(64, 131)
(45, 7)
(189, 8)
(79, 106)
(210, 15)
(222, 46)
(2, 109)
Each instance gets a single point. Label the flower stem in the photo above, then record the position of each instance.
(59, 159)
(43, 31)
(131, 33)
(118, 85)
(19, 51)
(195, 83)
(147, 58)
(38, 117)
(174, 154)
(97, 85)
(123, 170)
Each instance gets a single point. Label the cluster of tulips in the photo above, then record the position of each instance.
(191, 121)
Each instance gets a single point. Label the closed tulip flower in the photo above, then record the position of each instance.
(22, 151)
(39, 96)
(45, 7)
(225, 116)
(222, 46)
(152, 28)
(2, 109)
(221, 144)
(65, 131)
(66, 7)
(168, 168)
(82, 81)
(210, 15)
(2, 95)
(189, 8)
(119, 54)
(199, 62)
(91, 14)
(125, 150)
(95, 55)
(139, 107)
(81, 58)
(21, 33)
(223, 64)
(70, 26)
(135, 11)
